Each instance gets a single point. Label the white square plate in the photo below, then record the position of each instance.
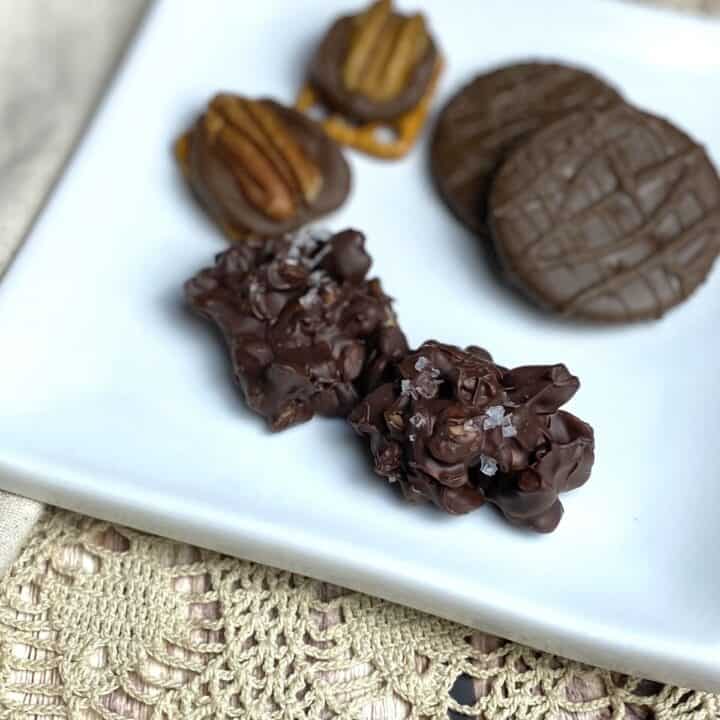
(114, 401)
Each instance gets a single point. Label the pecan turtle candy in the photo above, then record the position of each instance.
(306, 330)
(379, 67)
(455, 429)
(260, 167)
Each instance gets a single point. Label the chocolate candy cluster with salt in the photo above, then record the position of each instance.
(306, 330)
(455, 429)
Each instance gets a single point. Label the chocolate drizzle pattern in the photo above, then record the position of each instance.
(608, 216)
(491, 115)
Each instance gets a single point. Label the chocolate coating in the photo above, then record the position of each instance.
(494, 113)
(306, 330)
(455, 429)
(326, 72)
(261, 167)
(610, 216)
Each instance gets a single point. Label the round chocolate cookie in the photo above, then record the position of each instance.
(374, 66)
(610, 216)
(261, 167)
(491, 115)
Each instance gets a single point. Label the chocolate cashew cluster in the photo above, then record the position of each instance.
(455, 429)
(261, 167)
(306, 330)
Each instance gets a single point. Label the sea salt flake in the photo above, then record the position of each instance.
(426, 386)
(306, 241)
(318, 277)
(393, 478)
(423, 365)
(493, 417)
(304, 238)
(310, 298)
(412, 437)
(320, 255)
(256, 291)
(474, 424)
(508, 429)
(488, 465)
(298, 245)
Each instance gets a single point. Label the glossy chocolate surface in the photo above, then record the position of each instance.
(261, 167)
(455, 429)
(306, 330)
(374, 66)
(494, 113)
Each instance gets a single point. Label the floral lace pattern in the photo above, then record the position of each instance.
(98, 621)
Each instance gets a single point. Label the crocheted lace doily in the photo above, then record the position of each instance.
(98, 621)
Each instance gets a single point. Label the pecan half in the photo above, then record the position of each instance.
(384, 49)
(262, 167)
(376, 66)
(266, 161)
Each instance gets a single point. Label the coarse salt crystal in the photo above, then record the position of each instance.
(310, 298)
(317, 277)
(426, 386)
(474, 424)
(488, 465)
(493, 417)
(508, 429)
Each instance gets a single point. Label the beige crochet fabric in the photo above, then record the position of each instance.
(102, 622)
